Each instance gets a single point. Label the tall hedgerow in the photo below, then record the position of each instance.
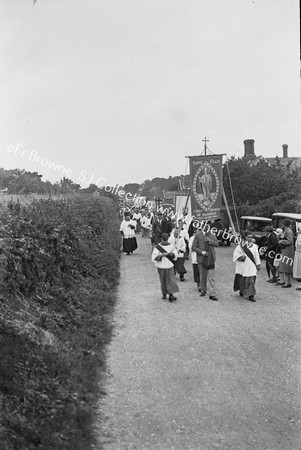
(59, 269)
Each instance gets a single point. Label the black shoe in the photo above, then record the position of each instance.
(182, 279)
(280, 283)
(163, 297)
(272, 280)
(212, 297)
(252, 299)
(286, 285)
(241, 294)
(172, 298)
(202, 294)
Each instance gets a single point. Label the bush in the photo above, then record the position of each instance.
(59, 269)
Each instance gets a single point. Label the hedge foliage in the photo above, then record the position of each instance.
(59, 269)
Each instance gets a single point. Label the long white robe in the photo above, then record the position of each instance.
(125, 226)
(179, 244)
(246, 268)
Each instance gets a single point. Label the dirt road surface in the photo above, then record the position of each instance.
(198, 374)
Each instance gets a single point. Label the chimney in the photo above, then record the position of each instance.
(285, 151)
(249, 148)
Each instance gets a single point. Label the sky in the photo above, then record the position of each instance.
(124, 90)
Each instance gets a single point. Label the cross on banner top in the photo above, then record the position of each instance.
(205, 146)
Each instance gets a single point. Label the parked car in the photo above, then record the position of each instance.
(255, 225)
(277, 219)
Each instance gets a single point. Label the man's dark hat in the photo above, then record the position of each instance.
(269, 228)
(286, 223)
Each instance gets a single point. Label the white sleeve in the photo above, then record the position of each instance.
(155, 254)
(237, 253)
(182, 245)
(191, 242)
(175, 252)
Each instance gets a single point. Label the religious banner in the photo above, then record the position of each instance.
(206, 186)
(183, 209)
(170, 196)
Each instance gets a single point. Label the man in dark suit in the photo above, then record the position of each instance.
(270, 253)
(160, 225)
(203, 244)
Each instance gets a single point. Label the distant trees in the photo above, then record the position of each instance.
(262, 188)
(67, 186)
(18, 181)
(157, 186)
(257, 188)
(131, 187)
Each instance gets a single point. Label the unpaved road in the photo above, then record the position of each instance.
(198, 374)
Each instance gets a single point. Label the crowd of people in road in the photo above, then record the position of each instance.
(175, 239)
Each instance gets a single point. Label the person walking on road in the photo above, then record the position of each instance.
(180, 246)
(239, 258)
(194, 262)
(203, 244)
(127, 230)
(247, 256)
(160, 225)
(164, 256)
(185, 235)
(145, 224)
(137, 217)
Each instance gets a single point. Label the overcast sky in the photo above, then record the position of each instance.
(125, 89)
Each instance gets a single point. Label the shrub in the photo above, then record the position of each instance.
(59, 269)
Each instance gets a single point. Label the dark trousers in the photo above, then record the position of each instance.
(196, 273)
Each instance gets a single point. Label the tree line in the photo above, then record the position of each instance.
(258, 188)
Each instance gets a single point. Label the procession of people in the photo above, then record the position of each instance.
(176, 240)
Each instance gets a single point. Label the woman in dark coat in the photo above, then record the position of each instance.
(286, 245)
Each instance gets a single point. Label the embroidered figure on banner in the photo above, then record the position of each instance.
(206, 186)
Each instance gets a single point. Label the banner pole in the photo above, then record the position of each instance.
(228, 211)
(186, 203)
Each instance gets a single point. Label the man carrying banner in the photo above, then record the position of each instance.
(203, 244)
(247, 256)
